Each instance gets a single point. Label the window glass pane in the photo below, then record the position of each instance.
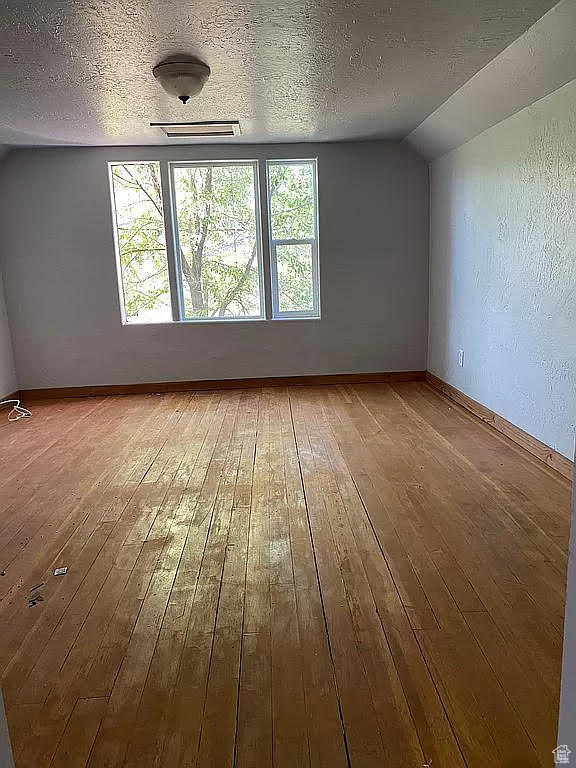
(292, 204)
(293, 237)
(218, 240)
(294, 267)
(141, 242)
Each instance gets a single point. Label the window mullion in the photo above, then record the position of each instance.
(316, 277)
(266, 238)
(171, 241)
(274, 279)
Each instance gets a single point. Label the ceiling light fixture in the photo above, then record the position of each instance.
(183, 78)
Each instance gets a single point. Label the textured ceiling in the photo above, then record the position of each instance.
(79, 71)
(522, 74)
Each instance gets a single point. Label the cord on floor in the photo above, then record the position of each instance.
(17, 412)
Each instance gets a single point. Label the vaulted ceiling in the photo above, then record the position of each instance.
(79, 71)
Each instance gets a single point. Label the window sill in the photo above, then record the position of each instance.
(222, 321)
(204, 321)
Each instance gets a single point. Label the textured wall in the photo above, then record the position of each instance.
(503, 269)
(62, 292)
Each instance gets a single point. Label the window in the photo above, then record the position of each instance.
(141, 242)
(218, 240)
(189, 244)
(293, 238)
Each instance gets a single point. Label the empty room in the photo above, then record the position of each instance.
(287, 384)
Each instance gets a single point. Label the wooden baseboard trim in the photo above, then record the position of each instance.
(215, 384)
(538, 449)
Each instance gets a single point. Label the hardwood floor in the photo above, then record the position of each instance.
(316, 576)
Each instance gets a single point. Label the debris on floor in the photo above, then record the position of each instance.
(60, 571)
(35, 599)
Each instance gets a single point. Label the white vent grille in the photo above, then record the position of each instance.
(212, 129)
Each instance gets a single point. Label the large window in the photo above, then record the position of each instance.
(190, 246)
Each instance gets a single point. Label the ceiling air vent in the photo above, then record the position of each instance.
(211, 129)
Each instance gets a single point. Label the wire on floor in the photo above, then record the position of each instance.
(17, 412)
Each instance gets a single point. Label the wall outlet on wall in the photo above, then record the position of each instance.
(461, 358)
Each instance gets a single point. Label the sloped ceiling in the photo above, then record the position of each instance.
(79, 71)
(536, 64)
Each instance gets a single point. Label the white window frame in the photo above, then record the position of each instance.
(266, 248)
(312, 241)
(119, 276)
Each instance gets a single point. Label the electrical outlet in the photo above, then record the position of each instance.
(461, 358)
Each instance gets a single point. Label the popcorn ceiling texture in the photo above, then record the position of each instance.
(80, 71)
(503, 269)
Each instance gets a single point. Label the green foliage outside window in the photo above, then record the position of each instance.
(216, 212)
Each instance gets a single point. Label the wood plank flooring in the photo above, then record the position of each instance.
(324, 577)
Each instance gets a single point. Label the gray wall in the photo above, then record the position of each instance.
(61, 284)
(503, 269)
(6, 760)
(8, 382)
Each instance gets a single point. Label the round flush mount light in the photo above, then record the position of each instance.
(182, 79)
